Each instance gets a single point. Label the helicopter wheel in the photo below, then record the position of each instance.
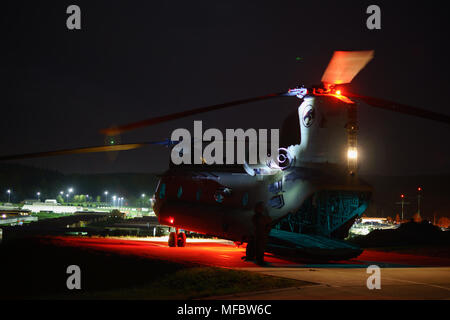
(172, 239)
(181, 239)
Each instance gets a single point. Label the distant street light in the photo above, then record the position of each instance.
(38, 195)
(70, 190)
(114, 200)
(143, 195)
(9, 194)
(106, 194)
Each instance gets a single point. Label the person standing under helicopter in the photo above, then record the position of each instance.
(262, 225)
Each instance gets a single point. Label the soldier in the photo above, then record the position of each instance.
(262, 225)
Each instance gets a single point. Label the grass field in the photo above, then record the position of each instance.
(193, 283)
(35, 269)
(48, 215)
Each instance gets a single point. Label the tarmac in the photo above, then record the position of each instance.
(402, 276)
(422, 283)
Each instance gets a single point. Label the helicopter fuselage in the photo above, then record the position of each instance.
(312, 193)
(221, 203)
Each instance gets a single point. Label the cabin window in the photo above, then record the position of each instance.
(245, 199)
(162, 191)
(277, 202)
(198, 194)
(221, 193)
(180, 192)
(218, 196)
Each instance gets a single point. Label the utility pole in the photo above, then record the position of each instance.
(402, 203)
(419, 195)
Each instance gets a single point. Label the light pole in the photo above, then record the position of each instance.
(419, 195)
(106, 194)
(9, 194)
(70, 190)
(114, 200)
(403, 203)
(39, 196)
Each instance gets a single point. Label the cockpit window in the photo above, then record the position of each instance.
(180, 192)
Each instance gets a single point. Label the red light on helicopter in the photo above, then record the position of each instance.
(402, 196)
(419, 189)
(171, 220)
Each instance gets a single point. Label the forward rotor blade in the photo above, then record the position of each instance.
(178, 115)
(117, 147)
(345, 65)
(401, 108)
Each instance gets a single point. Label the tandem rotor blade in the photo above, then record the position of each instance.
(401, 108)
(178, 115)
(345, 65)
(111, 148)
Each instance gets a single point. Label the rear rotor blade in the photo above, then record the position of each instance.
(178, 115)
(401, 108)
(345, 65)
(111, 148)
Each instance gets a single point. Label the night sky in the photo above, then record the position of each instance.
(138, 59)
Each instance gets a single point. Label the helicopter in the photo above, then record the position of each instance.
(311, 192)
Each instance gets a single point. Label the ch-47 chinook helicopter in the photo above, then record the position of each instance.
(312, 193)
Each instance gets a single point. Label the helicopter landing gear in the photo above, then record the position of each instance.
(181, 239)
(177, 239)
(172, 239)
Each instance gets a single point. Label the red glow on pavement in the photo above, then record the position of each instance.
(204, 253)
(225, 255)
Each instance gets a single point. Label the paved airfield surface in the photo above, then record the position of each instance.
(403, 276)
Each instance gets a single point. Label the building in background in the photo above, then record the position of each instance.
(50, 205)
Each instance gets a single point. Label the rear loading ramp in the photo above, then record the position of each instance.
(310, 247)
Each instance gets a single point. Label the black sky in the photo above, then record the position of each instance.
(138, 59)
